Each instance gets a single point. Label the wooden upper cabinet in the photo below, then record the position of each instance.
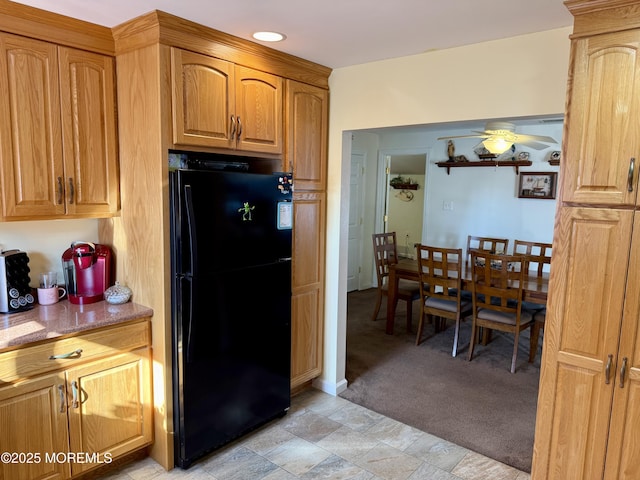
(601, 143)
(259, 106)
(59, 146)
(307, 110)
(30, 141)
(219, 104)
(89, 140)
(203, 100)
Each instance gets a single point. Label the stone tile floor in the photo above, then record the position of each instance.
(327, 437)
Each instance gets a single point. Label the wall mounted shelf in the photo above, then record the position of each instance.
(485, 163)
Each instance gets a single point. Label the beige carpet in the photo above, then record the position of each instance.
(479, 405)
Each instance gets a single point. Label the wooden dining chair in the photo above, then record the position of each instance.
(539, 317)
(440, 271)
(487, 244)
(539, 254)
(497, 288)
(538, 259)
(385, 253)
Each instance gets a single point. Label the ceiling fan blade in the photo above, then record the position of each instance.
(463, 136)
(534, 138)
(484, 133)
(534, 145)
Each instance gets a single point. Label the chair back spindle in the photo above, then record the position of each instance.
(486, 244)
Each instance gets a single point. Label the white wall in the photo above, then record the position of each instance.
(44, 242)
(485, 201)
(442, 86)
(497, 212)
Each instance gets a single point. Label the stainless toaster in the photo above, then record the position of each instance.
(15, 292)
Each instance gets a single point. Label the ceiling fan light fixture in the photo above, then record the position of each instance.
(497, 145)
(269, 36)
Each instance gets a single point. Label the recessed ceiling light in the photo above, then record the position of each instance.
(269, 36)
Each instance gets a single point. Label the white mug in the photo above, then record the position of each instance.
(49, 296)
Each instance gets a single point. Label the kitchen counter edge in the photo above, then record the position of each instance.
(49, 322)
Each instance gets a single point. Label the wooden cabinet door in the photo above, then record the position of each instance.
(601, 140)
(33, 420)
(203, 100)
(259, 100)
(307, 325)
(307, 110)
(110, 406)
(30, 143)
(623, 450)
(584, 314)
(87, 94)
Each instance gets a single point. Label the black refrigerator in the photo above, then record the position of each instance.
(231, 304)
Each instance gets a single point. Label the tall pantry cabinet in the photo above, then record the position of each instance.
(589, 400)
(178, 88)
(306, 155)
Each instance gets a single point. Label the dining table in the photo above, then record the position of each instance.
(535, 288)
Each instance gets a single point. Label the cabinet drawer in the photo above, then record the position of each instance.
(35, 360)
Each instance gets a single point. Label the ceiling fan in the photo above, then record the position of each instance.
(500, 136)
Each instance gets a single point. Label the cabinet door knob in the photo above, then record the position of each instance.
(233, 127)
(60, 191)
(607, 370)
(632, 167)
(623, 371)
(62, 402)
(239, 128)
(74, 389)
(71, 190)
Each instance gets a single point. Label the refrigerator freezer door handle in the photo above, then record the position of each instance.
(191, 225)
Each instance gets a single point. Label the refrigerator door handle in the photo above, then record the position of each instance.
(191, 226)
(187, 304)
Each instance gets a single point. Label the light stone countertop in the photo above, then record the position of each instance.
(63, 318)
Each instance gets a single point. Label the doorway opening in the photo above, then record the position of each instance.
(405, 200)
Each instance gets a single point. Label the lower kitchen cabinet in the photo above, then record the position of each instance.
(307, 308)
(107, 410)
(33, 415)
(61, 424)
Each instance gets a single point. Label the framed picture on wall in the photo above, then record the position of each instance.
(537, 185)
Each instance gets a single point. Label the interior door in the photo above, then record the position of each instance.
(356, 207)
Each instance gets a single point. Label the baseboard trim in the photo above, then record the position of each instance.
(330, 387)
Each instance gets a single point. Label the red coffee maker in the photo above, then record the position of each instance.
(87, 271)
